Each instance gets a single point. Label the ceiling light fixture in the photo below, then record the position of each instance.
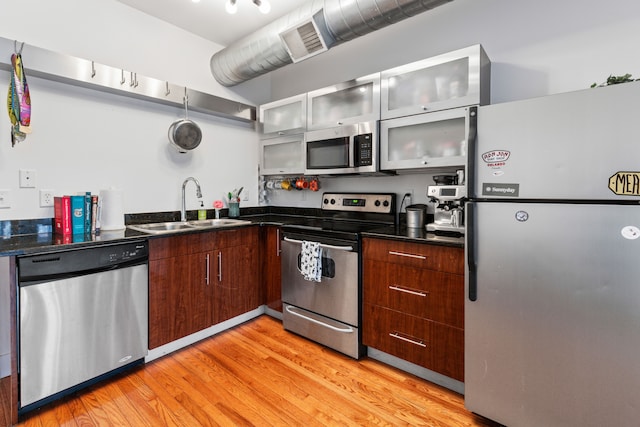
(263, 6)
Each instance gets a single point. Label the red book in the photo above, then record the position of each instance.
(62, 215)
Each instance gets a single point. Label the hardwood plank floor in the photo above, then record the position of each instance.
(258, 374)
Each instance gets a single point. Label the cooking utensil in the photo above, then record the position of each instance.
(184, 134)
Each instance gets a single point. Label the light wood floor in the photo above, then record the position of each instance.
(258, 374)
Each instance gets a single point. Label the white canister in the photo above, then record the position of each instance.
(111, 210)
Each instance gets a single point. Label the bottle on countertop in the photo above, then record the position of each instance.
(202, 212)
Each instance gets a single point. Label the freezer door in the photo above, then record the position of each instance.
(552, 314)
(581, 145)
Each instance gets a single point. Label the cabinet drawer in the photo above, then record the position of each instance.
(420, 292)
(433, 257)
(431, 345)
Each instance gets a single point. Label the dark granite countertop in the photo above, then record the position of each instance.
(36, 236)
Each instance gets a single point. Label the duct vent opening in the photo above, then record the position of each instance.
(303, 41)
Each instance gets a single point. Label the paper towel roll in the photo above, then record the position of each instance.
(111, 210)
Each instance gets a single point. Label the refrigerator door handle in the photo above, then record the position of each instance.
(472, 149)
(471, 251)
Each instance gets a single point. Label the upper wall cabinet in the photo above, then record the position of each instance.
(283, 117)
(350, 102)
(456, 79)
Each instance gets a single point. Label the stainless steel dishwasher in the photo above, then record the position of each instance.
(83, 315)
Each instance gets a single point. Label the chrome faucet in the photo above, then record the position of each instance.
(183, 211)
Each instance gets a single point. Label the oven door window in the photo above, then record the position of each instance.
(328, 266)
(328, 153)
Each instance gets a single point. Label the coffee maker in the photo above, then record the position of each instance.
(449, 195)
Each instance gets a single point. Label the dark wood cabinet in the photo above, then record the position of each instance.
(413, 303)
(197, 280)
(270, 267)
(235, 277)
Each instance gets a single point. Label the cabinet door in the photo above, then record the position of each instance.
(455, 79)
(271, 269)
(179, 297)
(345, 103)
(281, 156)
(283, 117)
(235, 278)
(432, 140)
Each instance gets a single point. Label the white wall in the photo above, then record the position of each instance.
(85, 140)
(536, 48)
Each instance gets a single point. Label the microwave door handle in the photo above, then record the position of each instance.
(352, 151)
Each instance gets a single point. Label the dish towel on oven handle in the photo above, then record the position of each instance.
(311, 262)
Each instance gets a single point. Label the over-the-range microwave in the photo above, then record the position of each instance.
(346, 149)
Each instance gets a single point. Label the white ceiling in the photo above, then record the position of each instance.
(208, 18)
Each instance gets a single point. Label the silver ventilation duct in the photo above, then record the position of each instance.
(307, 31)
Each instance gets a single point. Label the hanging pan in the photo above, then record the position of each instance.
(184, 134)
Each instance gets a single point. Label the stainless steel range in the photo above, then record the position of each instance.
(321, 266)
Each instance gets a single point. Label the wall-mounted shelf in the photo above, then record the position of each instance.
(67, 69)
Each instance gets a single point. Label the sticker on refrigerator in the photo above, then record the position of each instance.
(630, 232)
(495, 159)
(507, 190)
(625, 183)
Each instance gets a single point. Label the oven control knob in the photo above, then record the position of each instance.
(333, 201)
(385, 203)
(377, 203)
(325, 201)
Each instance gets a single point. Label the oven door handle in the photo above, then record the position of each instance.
(340, 248)
(347, 330)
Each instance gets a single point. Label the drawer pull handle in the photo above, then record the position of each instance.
(398, 336)
(408, 291)
(407, 255)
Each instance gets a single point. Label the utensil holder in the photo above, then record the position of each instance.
(234, 209)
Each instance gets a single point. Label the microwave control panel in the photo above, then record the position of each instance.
(363, 149)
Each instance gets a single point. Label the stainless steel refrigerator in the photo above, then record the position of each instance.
(552, 310)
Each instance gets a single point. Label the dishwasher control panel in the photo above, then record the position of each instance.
(86, 259)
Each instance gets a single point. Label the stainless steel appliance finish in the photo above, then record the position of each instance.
(449, 210)
(83, 313)
(552, 307)
(346, 149)
(328, 311)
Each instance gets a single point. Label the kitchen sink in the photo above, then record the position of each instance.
(178, 226)
(222, 222)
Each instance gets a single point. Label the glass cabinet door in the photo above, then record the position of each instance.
(432, 140)
(346, 103)
(283, 117)
(455, 79)
(281, 156)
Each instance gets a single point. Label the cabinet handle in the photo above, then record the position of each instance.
(206, 277)
(407, 255)
(219, 266)
(408, 291)
(278, 242)
(398, 336)
(424, 107)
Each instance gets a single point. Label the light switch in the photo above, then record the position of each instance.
(27, 178)
(5, 199)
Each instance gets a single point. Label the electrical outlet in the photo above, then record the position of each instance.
(46, 198)
(5, 199)
(409, 200)
(245, 195)
(27, 178)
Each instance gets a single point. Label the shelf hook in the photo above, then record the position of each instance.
(167, 92)
(15, 47)
(122, 77)
(93, 69)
